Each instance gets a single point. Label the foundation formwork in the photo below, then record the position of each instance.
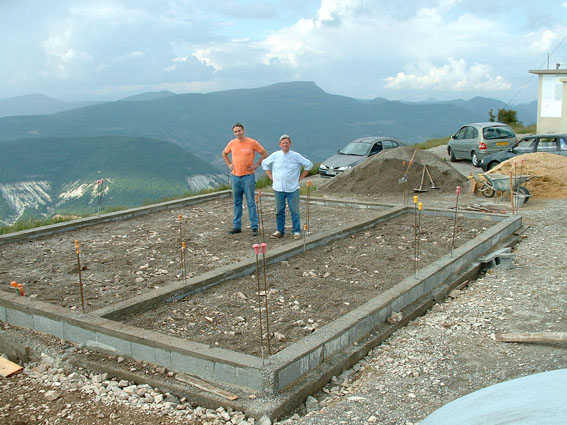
(281, 381)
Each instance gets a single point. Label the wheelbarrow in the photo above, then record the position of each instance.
(489, 184)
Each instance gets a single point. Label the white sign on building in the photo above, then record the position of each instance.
(551, 96)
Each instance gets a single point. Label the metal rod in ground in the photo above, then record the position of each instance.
(458, 190)
(521, 174)
(512, 193)
(101, 192)
(179, 218)
(419, 208)
(257, 251)
(183, 263)
(263, 246)
(308, 203)
(415, 234)
(261, 215)
(98, 196)
(404, 186)
(304, 235)
(78, 250)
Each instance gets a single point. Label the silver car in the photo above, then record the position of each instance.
(477, 140)
(356, 152)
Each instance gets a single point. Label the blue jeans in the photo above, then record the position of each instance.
(293, 204)
(244, 185)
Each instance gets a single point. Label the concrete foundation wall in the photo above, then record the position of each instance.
(327, 348)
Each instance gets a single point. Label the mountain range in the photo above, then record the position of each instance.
(193, 128)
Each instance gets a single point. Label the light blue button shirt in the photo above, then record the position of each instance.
(286, 168)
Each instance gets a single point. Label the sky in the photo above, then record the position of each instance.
(412, 50)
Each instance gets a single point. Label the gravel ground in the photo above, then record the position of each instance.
(443, 355)
(451, 351)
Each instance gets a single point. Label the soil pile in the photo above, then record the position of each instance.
(381, 174)
(550, 171)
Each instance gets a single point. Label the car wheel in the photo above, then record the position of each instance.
(452, 157)
(491, 165)
(475, 159)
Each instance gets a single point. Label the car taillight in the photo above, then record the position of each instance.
(482, 146)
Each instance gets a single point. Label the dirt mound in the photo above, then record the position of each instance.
(381, 174)
(550, 171)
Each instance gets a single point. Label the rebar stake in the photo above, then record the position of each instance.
(419, 208)
(183, 260)
(263, 246)
(516, 190)
(521, 174)
(308, 203)
(304, 235)
(99, 191)
(179, 218)
(415, 234)
(257, 251)
(98, 196)
(455, 221)
(404, 186)
(78, 250)
(261, 216)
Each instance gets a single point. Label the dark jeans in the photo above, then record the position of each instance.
(244, 185)
(293, 204)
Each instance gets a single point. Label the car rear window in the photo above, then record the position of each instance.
(490, 133)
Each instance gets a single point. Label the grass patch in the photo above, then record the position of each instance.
(263, 182)
(31, 223)
(187, 195)
(522, 129)
(315, 169)
(431, 143)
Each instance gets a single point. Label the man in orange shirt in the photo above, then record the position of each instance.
(243, 151)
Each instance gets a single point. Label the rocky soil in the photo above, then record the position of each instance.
(443, 355)
(348, 272)
(123, 259)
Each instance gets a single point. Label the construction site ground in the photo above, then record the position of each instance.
(449, 352)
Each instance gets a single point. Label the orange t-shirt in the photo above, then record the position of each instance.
(243, 153)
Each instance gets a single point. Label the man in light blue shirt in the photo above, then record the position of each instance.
(284, 168)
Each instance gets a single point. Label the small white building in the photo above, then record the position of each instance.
(551, 101)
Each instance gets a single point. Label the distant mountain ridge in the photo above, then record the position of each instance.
(37, 104)
(318, 122)
(149, 96)
(161, 144)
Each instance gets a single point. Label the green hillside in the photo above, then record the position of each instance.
(135, 170)
(63, 159)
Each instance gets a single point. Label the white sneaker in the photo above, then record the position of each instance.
(277, 234)
(297, 236)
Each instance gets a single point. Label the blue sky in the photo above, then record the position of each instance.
(396, 49)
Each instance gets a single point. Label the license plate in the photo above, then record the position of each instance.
(331, 173)
(501, 143)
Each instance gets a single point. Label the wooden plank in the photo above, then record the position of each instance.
(531, 336)
(205, 386)
(8, 368)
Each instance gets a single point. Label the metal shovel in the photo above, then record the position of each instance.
(404, 178)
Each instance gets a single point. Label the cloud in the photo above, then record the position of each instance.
(544, 41)
(360, 48)
(454, 76)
